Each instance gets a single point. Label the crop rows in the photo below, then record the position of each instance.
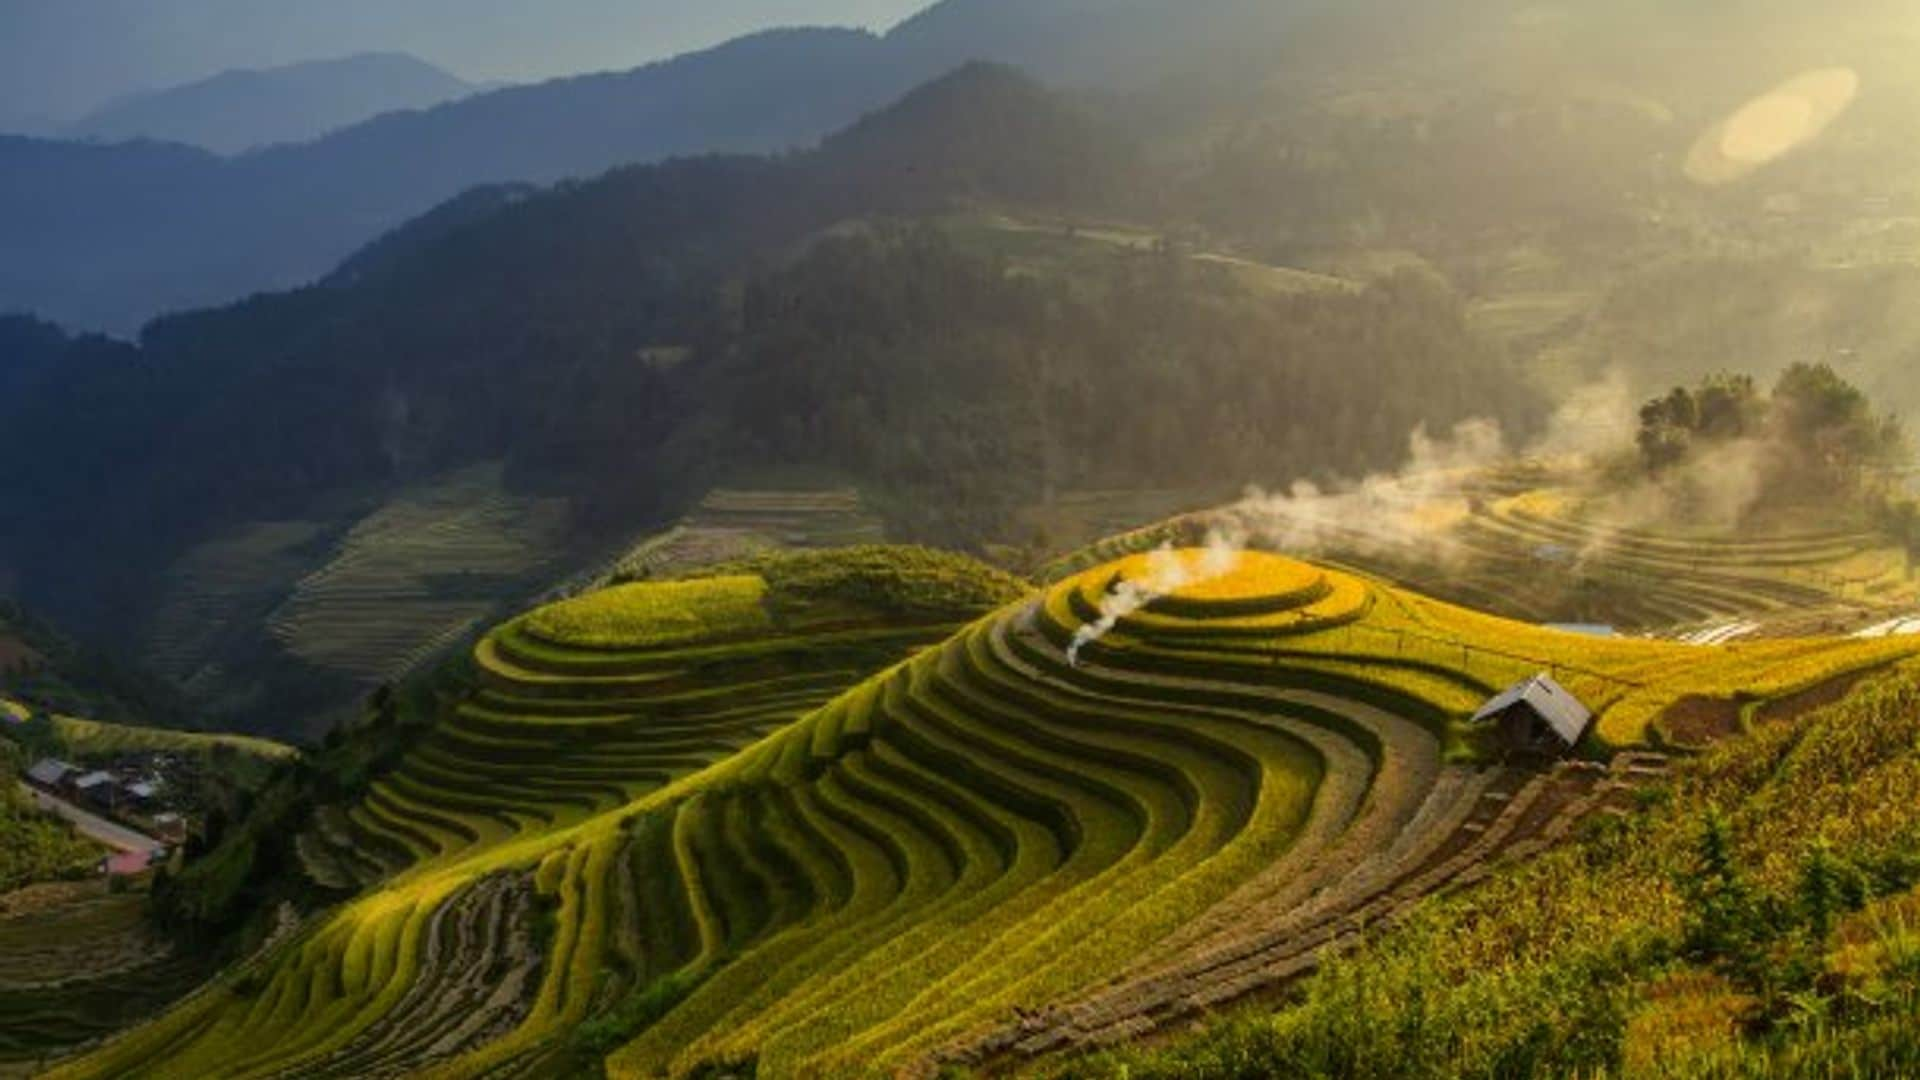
(986, 851)
(602, 726)
(1528, 553)
(733, 523)
(80, 971)
(417, 573)
(231, 581)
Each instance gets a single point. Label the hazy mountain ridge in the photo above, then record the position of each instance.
(236, 111)
(92, 253)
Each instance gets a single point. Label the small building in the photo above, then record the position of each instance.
(170, 827)
(98, 788)
(50, 774)
(1537, 718)
(142, 794)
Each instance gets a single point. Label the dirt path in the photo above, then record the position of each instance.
(118, 837)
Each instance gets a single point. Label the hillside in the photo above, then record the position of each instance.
(754, 293)
(1181, 810)
(34, 847)
(1754, 920)
(1337, 241)
(236, 111)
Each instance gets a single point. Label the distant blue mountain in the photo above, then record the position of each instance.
(241, 110)
(107, 237)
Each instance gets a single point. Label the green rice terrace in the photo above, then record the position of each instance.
(751, 822)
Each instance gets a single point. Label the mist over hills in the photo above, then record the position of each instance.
(236, 111)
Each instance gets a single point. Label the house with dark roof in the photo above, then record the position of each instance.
(1537, 718)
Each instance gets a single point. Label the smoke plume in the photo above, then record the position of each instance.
(1168, 571)
(1409, 509)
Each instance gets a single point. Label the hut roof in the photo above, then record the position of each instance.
(1552, 702)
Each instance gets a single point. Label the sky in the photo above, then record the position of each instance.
(61, 58)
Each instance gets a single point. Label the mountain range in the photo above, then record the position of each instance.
(107, 237)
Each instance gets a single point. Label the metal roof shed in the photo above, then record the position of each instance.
(1538, 716)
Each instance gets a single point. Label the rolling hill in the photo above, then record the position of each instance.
(236, 111)
(1028, 838)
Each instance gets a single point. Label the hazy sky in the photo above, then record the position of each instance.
(59, 58)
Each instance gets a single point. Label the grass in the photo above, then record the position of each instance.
(860, 856)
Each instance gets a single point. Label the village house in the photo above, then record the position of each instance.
(98, 788)
(142, 795)
(126, 863)
(51, 775)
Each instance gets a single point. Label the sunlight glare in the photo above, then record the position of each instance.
(1772, 126)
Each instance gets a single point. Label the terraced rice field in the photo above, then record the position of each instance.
(734, 523)
(984, 852)
(78, 970)
(1659, 580)
(221, 588)
(91, 738)
(1530, 552)
(417, 575)
(588, 705)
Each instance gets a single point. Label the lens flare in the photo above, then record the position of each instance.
(1772, 126)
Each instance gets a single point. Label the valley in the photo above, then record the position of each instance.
(1088, 541)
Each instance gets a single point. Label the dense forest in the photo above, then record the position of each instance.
(965, 390)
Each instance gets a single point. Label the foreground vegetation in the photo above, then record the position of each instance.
(1183, 812)
(34, 846)
(1759, 917)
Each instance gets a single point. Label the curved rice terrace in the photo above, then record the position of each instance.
(1538, 554)
(587, 705)
(985, 852)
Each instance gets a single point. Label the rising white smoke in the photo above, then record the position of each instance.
(1168, 571)
(1410, 509)
(1408, 513)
